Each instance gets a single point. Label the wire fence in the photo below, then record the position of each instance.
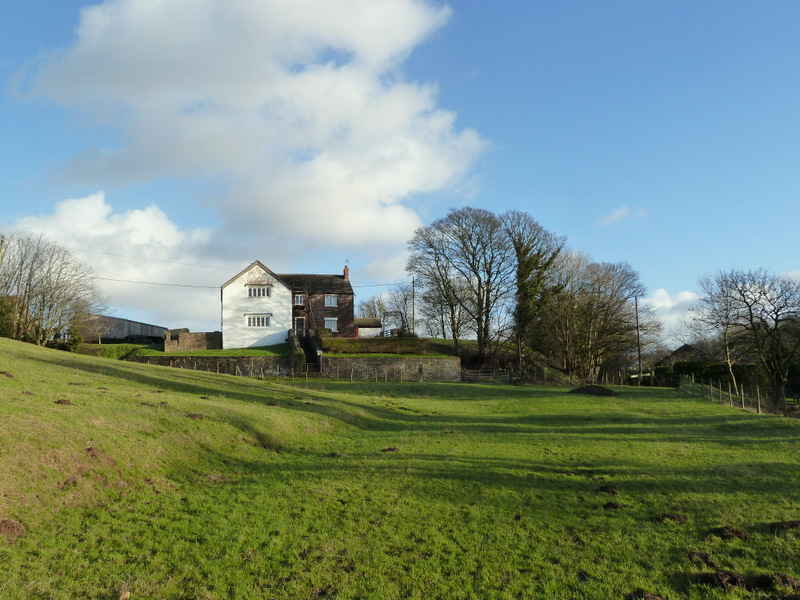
(753, 398)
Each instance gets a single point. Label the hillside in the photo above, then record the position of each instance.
(120, 480)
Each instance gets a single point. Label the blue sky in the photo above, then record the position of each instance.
(175, 142)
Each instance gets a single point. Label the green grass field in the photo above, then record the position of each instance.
(149, 482)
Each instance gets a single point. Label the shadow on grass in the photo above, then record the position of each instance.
(526, 411)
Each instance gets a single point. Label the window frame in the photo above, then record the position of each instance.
(259, 291)
(331, 300)
(258, 320)
(335, 320)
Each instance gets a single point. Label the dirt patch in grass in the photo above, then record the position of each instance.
(642, 595)
(752, 582)
(674, 517)
(64, 402)
(593, 390)
(11, 529)
(6, 374)
(195, 416)
(703, 558)
(729, 533)
(784, 526)
(391, 449)
(100, 456)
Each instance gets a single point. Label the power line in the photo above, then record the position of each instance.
(216, 287)
(363, 285)
(171, 262)
(182, 285)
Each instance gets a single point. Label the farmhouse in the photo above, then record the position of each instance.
(262, 308)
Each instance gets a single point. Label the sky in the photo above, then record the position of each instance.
(171, 143)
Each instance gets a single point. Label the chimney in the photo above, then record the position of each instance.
(346, 273)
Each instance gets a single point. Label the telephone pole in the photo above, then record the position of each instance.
(638, 339)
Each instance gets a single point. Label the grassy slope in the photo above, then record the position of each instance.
(286, 492)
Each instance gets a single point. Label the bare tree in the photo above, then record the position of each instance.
(400, 307)
(715, 324)
(468, 246)
(442, 286)
(45, 289)
(590, 320)
(441, 313)
(766, 309)
(373, 307)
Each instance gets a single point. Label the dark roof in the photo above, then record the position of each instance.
(317, 284)
(311, 284)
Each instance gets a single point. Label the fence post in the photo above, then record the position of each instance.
(758, 398)
(730, 397)
(742, 390)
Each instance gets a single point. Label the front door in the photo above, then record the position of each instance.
(300, 326)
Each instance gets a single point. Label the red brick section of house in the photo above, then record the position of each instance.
(309, 309)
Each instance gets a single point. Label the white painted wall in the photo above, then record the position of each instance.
(237, 305)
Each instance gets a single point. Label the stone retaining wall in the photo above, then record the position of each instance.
(392, 368)
(379, 368)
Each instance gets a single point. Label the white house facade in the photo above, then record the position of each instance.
(256, 309)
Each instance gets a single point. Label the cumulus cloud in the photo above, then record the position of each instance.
(620, 214)
(145, 264)
(670, 309)
(299, 106)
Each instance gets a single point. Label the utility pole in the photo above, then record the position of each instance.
(638, 339)
(413, 306)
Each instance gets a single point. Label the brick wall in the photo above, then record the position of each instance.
(344, 312)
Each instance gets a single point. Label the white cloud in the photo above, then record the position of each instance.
(300, 105)
(670, 309)
(138, 246)
(620, 214)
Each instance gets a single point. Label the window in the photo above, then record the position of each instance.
(262, 291)
(331, 300)
(299, 299)
(258, 320)
(332, 324)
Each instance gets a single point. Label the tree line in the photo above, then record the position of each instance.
(507, 282)
(45, 292)
(750, 322)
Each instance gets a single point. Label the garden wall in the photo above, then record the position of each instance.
(392, 368)
(184, 341)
